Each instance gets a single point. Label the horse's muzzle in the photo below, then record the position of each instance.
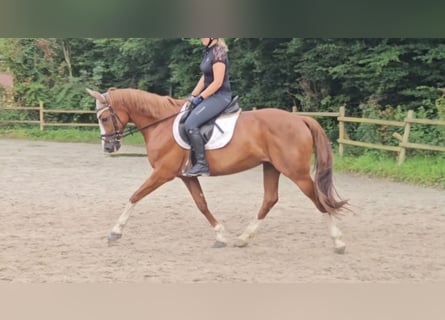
(112, 146)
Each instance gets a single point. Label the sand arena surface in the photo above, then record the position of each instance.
(58, 202)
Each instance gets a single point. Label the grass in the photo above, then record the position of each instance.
(87, 135)
(421, 170)
(416, 169)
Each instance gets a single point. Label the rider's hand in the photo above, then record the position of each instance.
(196, 100)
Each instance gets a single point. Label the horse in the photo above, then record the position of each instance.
(281, 141)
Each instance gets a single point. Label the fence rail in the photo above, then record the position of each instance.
(403, 140)
(340, 116)
(43, 111)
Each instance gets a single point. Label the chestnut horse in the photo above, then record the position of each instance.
(278, 140)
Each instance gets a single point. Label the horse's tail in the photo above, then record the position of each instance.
(324, 185)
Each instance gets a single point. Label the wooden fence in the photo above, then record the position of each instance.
(342, 140)
(403, 139)
(42, 111)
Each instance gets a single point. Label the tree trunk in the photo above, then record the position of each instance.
(67, 56)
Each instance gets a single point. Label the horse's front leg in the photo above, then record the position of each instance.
(194, 187)
(116, 232)
(152, 183)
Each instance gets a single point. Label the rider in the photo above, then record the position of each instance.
(210, 96)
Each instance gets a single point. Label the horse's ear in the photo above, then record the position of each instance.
(96, 95)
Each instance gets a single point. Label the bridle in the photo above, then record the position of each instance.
(118, 134)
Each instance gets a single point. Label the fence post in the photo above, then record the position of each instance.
(341, 130)
(42, 120)
(405, 137)
(294, 109)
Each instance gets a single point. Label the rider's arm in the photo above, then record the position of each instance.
(199, 87)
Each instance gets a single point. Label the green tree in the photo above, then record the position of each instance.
(372, 76)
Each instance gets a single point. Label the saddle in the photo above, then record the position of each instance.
(207, 128)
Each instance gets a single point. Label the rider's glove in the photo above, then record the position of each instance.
(196, 100)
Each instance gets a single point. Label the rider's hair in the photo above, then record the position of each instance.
(222, 44)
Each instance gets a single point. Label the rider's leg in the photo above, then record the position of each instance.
(197, 143)
(206, 110)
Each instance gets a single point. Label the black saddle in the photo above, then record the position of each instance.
(206, 129)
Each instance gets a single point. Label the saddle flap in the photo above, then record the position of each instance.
(215, 139)
(207, 128)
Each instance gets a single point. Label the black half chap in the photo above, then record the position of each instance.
(206, 110)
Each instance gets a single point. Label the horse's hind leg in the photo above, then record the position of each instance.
(271, 178)
(194, 187)
(306, 185)
(336, 235)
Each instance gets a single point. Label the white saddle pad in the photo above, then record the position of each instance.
(218, 139)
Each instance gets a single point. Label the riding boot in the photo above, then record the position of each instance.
(201, 168)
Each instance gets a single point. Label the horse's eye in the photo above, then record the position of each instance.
(104, 119)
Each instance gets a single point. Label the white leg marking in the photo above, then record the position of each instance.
(122, 221)
(336, 235)
(220, 231)
(248, 233)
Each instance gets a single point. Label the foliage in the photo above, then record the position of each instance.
(383, 134)
(373, 77)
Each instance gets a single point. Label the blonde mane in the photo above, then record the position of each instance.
(150, 104)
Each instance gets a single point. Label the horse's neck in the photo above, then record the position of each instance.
(157, 135)
(158, 109)
(142, 118)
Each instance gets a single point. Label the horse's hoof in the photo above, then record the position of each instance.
(340, 250)
(113, 237)
(240, 243)
(219, 244)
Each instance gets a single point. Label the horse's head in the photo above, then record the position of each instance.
(111, 126)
